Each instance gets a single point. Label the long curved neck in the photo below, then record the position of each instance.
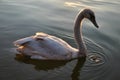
(78, 34)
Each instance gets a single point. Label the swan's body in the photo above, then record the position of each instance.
(47, 47)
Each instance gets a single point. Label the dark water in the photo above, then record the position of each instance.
(22, 18)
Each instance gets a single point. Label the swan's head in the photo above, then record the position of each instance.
(89, 14)
(31, 45)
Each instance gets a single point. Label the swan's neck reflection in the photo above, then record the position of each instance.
(76, 71)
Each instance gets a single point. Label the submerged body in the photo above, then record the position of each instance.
(48, 47)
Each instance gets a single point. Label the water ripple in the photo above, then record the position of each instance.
(98, 60)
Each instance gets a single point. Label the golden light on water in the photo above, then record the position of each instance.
(77, 4)
(71, 4)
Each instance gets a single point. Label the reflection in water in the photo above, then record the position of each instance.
(76, 71)
(40, 64)
(52, 64)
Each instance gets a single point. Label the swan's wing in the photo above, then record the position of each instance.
(54, 46)
(45, 46)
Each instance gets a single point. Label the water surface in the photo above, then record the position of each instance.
(22, 18)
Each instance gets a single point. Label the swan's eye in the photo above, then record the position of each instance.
(92, 16)
(39, 39)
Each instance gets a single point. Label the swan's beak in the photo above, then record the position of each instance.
(95, 23)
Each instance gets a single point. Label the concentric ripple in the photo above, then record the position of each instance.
(96, 58)
(98, 62)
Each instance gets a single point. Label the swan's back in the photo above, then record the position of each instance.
(47, 46)
(54, 45)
